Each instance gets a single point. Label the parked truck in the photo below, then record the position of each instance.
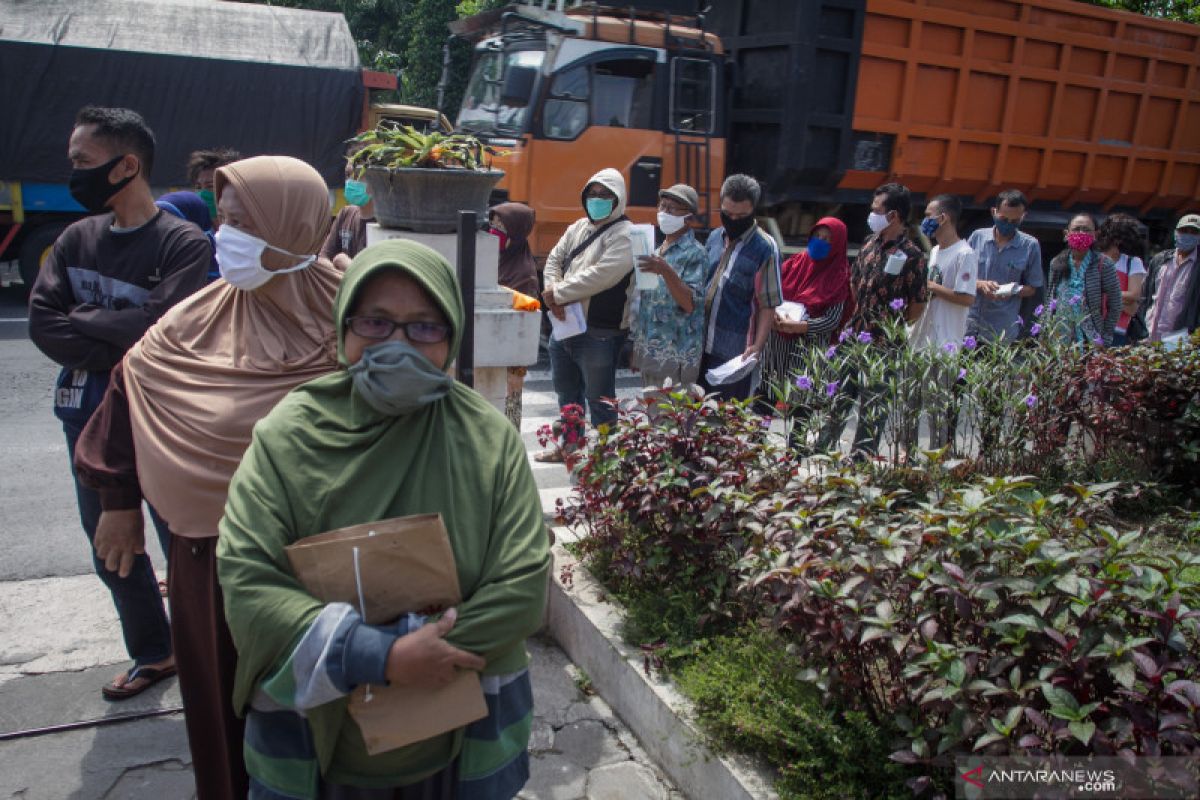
(1079, 106)
(204, 74)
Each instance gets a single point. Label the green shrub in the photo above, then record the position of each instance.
(747, 696)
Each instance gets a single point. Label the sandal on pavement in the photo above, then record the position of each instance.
(550, 456)
(162, 588)
(148, 677)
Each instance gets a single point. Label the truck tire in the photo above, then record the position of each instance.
(36, 249)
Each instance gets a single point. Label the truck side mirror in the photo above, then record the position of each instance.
(518, 86)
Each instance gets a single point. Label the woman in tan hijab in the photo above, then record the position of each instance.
(179, 412)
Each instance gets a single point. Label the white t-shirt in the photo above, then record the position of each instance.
(956, 268)
(1127, 265)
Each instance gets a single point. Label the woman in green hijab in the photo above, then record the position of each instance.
(388, 436)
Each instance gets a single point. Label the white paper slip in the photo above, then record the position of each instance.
(732, 370)
(1006, 290)
(792, 312)
(574, 324)
(1175, 339)
(641, 243)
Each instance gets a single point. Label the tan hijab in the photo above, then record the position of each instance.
(220, 360)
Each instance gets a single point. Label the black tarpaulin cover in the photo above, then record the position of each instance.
(301, 95)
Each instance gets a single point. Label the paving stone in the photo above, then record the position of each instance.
(589, 744)
(171, 779)
(554, 777)
(624, 781)
(541, 736)
(554, 689)
(593, 708)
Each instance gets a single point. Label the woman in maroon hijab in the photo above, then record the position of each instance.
(512, 223)
(818, 279)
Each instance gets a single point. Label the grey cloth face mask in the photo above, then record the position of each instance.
(395, 379)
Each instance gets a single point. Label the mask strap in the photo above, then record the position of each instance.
(362, 607)
(307, 261)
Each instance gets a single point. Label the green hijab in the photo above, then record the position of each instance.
(423, 265)
(324, 459)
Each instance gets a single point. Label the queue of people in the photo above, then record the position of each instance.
(307, 390)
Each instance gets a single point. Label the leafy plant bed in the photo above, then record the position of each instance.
(867, 625)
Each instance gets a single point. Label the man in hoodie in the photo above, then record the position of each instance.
(591, 265)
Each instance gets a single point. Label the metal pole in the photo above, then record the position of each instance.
(467, 224)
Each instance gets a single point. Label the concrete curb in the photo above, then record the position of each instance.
(586, 624)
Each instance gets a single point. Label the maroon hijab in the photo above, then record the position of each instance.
(820, 284)
(518, 270)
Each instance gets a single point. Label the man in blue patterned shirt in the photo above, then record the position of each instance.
(668, 331)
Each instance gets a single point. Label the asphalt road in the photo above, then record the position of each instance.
(40, 535)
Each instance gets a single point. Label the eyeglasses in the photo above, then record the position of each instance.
(381, 328)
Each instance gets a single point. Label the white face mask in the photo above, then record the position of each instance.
(239, 256)
(669, 223)
(877, 222)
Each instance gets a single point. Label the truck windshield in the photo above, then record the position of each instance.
(482, 111)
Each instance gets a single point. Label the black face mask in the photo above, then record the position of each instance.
(736, 227)
(91, 189)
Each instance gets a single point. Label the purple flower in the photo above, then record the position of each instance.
(962, 374)
(1037, 312)
(1053, 305)
(897, 304)
(831, 388)
(846, 334)
(969, 342)
(1031, 400)
(831, 352)
(1035, 329)
(950, 347)
(1075, 299)
(1020, 321)
(1098, 341)
(864, 337)
(804, 382)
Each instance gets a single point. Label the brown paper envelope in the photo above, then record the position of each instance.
(397, 716)
(405, 564)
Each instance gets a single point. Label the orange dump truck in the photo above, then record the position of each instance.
(1079, 106)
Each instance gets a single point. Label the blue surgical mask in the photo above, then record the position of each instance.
(929, 226)
(1186, 242)
(598, 208)
(396, 379)
(1005, 227)
(818, 249)
(356, 193)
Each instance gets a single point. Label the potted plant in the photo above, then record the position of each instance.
(420, 181)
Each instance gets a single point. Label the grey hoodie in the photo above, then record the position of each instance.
(603, 269)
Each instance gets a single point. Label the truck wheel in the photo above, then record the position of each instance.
(36, 249)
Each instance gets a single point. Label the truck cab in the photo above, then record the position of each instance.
(565, 94)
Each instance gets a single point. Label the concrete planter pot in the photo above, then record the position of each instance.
(428, 200)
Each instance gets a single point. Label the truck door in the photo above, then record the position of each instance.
(598, 111)
(694, 149)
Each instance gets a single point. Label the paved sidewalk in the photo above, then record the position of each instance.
(59, 642)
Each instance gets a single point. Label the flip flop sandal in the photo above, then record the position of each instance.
(551, 456)
(150, 675)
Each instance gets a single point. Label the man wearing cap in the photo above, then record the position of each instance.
(1171, 291)
(668, 329)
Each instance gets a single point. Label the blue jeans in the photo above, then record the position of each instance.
(584, 371)
(139, 605)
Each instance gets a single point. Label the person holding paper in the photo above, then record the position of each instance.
(741, 291)
(1007, 255)
(389, 435)
(1084, 285)
(818, 281)
(1171, 294)
(590, 266)
(888, 281)
(669, 329)
(179, 410)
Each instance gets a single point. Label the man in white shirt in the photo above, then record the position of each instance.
(953, 271)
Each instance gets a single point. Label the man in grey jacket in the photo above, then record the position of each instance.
(591, 265)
